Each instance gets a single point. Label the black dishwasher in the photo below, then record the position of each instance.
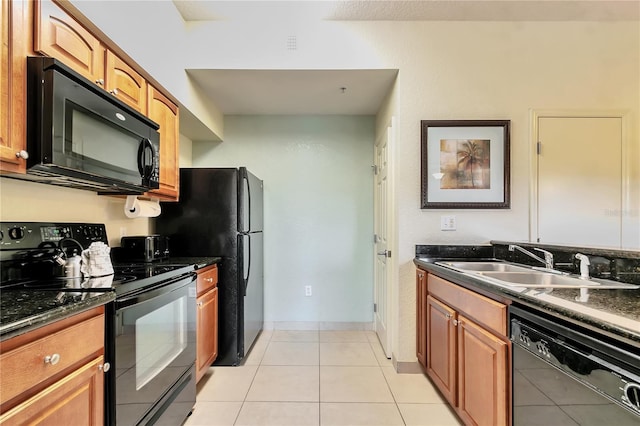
(563, 375)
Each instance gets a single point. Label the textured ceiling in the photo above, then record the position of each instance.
(429, 10)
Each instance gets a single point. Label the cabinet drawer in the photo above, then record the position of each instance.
(488, 312)
(207, 279)
(25, 366)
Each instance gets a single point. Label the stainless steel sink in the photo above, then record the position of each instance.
(484, 266)
(540, 279)
(515, 276)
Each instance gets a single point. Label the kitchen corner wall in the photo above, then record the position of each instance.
(318, 212)
(22, 201)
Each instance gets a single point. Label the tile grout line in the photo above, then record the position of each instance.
(389, 387)
(244, 400)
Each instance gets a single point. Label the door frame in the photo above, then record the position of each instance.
(390, 130)
(626, 163)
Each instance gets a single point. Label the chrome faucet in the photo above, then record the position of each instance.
(548, 257)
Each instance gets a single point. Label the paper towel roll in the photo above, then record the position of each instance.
(141, 208)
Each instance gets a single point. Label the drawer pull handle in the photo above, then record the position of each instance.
(52, 359)
(104, 367)
(209, 280)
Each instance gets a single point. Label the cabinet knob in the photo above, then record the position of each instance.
(22, 154)
(456, 322)
(209, 280)
(104, 367)
(114, 92)
(52, 359)
(100, 81)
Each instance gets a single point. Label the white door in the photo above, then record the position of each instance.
(579, 195)
(382, 225)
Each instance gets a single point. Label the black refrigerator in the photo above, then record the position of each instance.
(220, 214)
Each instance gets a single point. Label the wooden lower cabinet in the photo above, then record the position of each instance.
(421, 317)
(482, 375)
(54, 375)
(441, 348)
(77, 399)
(206, 320)
(467, 359)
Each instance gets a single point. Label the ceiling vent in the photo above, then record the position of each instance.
(292, 43)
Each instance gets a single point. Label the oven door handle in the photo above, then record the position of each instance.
(150, 293)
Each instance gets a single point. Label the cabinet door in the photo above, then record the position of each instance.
(206, 332)
(60, 36)
(125, 83)
(165, 113)
(441, 347)
(77, 399)
(14, 26)
(482, 375)
(421, 317)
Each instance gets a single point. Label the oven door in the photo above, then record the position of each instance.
(155, 344)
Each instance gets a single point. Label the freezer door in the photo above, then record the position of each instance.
(253, 271)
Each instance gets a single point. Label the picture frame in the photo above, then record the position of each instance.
(465, 164)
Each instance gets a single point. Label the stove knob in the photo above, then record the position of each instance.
(632, 395)
(16, 233)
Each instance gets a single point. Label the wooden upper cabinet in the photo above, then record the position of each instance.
(14, 24)
(165, 113)
(122, 81)
(60, 36)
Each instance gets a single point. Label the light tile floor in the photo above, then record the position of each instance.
(317, 378)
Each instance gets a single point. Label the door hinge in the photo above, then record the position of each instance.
(375, 169)
(538, 147)
(375, 238)
(375, 307)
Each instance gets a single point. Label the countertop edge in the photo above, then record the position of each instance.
(50, 316)
(508, 297)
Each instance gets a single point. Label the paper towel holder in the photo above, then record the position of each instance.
(141, 208)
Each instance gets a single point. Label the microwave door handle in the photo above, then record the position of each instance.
(144, 168)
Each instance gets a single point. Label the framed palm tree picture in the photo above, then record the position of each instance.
(465, 164)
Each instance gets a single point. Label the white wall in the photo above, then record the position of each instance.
(318, 210)
(447, 70)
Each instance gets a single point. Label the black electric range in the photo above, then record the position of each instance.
(145, 295)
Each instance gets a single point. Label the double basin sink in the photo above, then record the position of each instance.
(517, 276)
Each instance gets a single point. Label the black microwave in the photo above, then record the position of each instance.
(81, 136)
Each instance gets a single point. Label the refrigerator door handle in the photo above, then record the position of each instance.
(247, 254)
(246, 207)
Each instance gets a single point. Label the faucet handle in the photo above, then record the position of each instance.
(548, 257)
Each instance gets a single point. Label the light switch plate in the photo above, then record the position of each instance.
(447, 223)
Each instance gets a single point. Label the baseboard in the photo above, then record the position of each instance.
(406, 367)
(317, 325)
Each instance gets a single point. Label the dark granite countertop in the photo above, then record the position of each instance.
(615, 313)
(25, 310)
(22, 311)
(198, 262)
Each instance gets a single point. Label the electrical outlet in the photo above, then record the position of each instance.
(307, 290)
(447, 223)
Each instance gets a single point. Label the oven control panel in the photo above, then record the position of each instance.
(32, 235)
